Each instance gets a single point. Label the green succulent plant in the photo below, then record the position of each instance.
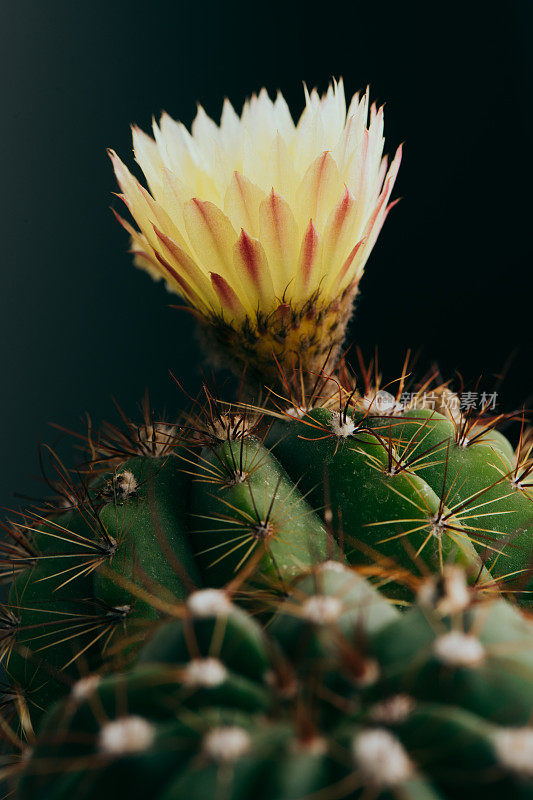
(319, 590)
(233, 496)
(343, 696)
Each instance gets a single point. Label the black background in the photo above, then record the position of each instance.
(451, 272)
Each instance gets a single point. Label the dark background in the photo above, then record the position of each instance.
(451, 272)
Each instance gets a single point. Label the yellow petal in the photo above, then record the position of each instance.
(148, 157)
(319, 190)
(228, 297)
(185, 267)
(308, 265)
(251, 266)
(279, 236)
(241, 203)
(211, 234)
(340, 235)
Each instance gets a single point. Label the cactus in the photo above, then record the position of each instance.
(433, 487)
(310, 591)
(255, 499)
(343, 697)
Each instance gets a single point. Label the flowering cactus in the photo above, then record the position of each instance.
(385, 547)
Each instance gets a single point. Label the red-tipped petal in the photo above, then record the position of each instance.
(348, 263)
(125, 224)
(341, 212)
(188, 269)
(186, 290)
(227, 296)
(320, 185)
(308, 253)
(279, 235)
(252, 258)
(251, 266)
(210, 233)
(185, 262)
(339, 231)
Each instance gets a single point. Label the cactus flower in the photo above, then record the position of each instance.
(262, 225)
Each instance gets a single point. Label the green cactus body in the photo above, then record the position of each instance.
(211, 621)
(149, 532)
(54, 614)
(257, 508)
(149, 528)
(382, 512)
(460, 743)
(178, 725)
(330, 593)
(475, 476)
(482, 664)
(101, 574)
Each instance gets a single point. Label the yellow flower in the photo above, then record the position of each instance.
(262, 225)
